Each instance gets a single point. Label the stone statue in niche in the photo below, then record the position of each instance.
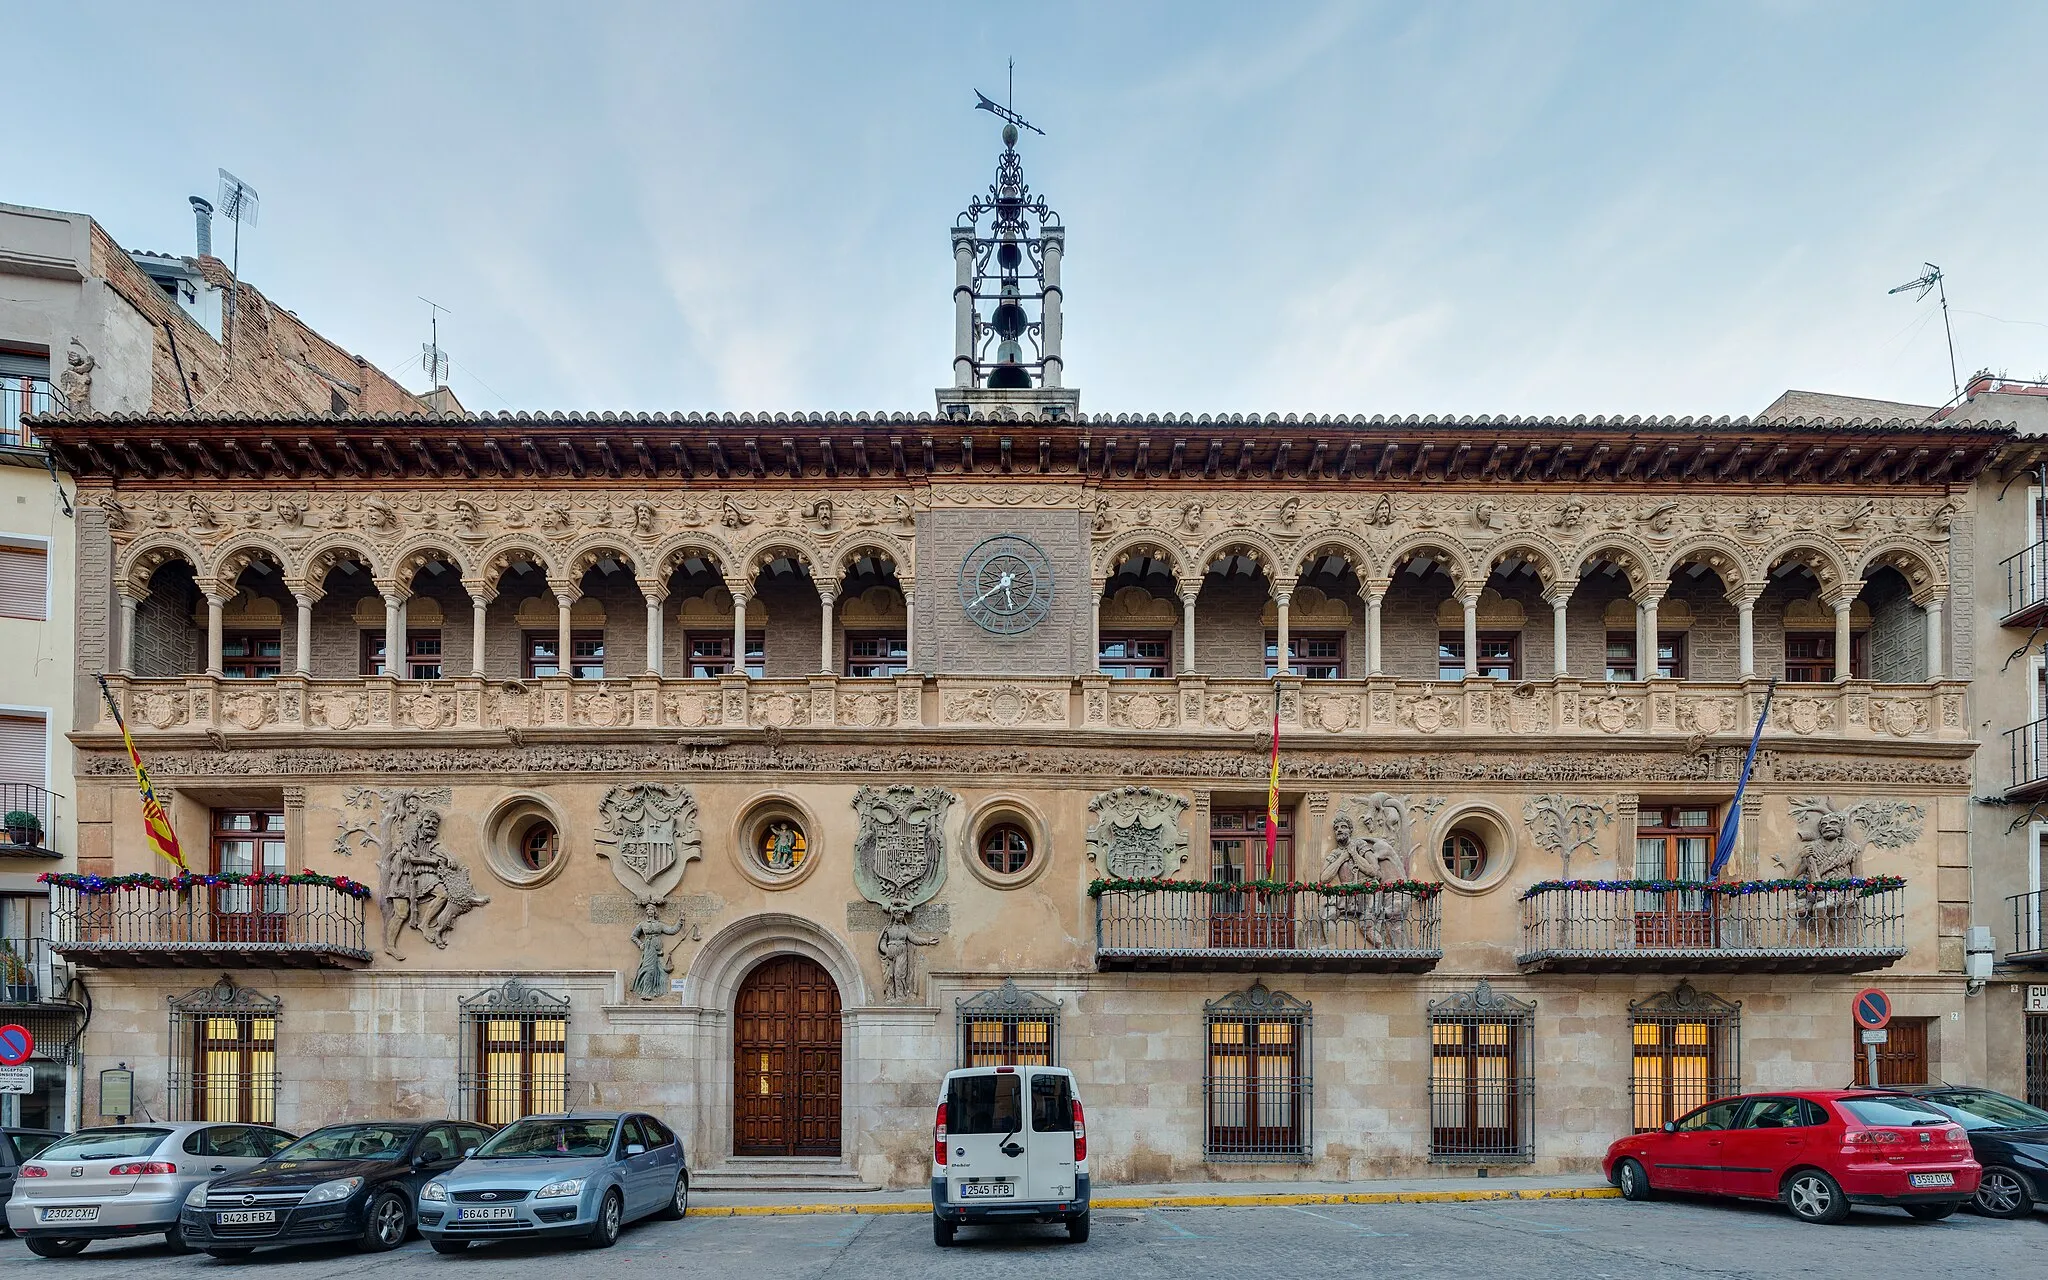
(651, 937)
(781, 847)
(76, 380)
(898, 948)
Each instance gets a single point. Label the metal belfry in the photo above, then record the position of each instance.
(1006, 252)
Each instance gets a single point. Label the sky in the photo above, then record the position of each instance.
(1560, 208)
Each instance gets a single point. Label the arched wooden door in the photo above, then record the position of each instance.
(786, 1061)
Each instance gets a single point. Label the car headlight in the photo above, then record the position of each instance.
(433, 1191)
(197, 1198)
(339, 1189)
(557, 1190)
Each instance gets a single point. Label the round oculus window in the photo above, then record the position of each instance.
(1465, 856)
(1005, 849)
(538, 845)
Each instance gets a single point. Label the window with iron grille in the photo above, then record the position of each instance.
(1482, 1078)
(224, 1055)
(2037, 1059)
(514, 1053)
(1009, 1027)
(1686, 1052)
(1257, 1089)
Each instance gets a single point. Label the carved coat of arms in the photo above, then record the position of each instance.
(650, 836)
(1137, 833)
(899, 857)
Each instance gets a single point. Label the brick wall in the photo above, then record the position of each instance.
(791, 633)
(337, 636)
(1898, 629)
(166, 642)
(1714, 641)
(1230, 636)
(1408, 624)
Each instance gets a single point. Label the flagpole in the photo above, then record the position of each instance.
(1731, 826)
(156, 821)
(1273, 788)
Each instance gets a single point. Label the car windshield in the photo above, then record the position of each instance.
(1896, 1113)
(351, 1142)
(1985, 1110)
(526, 1139)
(104, 1144)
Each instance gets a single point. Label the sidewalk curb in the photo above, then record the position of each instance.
(1188, 1202)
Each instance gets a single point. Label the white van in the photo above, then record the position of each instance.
(1009, 1145)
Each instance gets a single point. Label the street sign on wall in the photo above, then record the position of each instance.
(2037, 999)
(20, 1079)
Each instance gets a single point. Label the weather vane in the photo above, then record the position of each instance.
(1003, 113)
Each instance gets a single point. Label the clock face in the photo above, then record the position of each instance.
(1006, 584)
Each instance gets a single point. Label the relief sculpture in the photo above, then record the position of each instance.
(418, 883)
(1137, 833)
(899, 857)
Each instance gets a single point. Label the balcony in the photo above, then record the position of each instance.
(1301, 927)
(21, 397)
(2027, 750)
(28, 814)
(36, 991)
(143, 922)
(2026, 586)
(1770, 926)
(2029, 930)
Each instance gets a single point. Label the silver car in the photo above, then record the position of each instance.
(127, 1180)
(585, 1175)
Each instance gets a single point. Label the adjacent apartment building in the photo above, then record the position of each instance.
(88, 328)
(758, 768)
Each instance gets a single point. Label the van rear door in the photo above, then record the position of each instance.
(1050, 1156)
(985, 1115)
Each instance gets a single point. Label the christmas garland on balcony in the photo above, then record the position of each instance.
(1861, 886)
(186, 881)
(1156, 884)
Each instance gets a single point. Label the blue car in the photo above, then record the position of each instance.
(583, 1175)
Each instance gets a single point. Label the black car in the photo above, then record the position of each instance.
(356, 1182)
(2008, 1137)
(16, 1147)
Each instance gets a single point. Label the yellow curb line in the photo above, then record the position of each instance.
(1203, 1202)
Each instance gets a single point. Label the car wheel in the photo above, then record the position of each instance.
(1077, 1228)
(942, 1232)
(678, 1205)
(174, 1239)
(2003, 1193)
(449, 1246)
(611, 1216)
(1813, 1196)
(385, 1223)
(55, 1246)
(1933, 1212)
(229, 1255)
(1633, 1181)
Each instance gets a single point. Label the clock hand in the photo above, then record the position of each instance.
(985, 595)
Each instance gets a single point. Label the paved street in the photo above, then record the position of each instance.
(1578, 1239)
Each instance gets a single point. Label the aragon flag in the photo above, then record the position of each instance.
(156, 824)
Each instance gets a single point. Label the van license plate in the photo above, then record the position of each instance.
(490, 1213)
(76, 1213)
(1934, 1179)
(980, 1190)
(246, 1217)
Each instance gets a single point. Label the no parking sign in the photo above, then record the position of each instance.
(16, 1044)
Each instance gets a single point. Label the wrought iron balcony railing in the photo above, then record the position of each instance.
(23, 397)
(2029, 928)
(2027, 747)
(30, 973)
(1297, 927)
(1834, 926)
(2026, 581)
(112, 924)
(28, 820)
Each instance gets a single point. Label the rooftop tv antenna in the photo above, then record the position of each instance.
(1932, 283)
(238, 202)
(433, 360)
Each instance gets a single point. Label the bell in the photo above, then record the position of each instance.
(1009, 320)
(1009, 377)
(1009, 256)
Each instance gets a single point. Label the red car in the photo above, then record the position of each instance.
(1816, 1150)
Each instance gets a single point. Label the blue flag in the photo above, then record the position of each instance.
(1724, 848)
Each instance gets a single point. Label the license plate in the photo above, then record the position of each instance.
(978, 1190)
(243, 1217)
(1934, 1179)
(77, 1213)
(488, 1213)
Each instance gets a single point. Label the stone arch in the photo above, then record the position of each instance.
(1353, 549)
(141, 561)
(1245, 542)
(1827, 562)
(413, 554)
(499, 554)
(1915, 561)
(229, 562)
(320, 557)
(1439, 548)
(877, 544)
(1729, 561)
(1549, 561)
(800, 550)
(584, 556)
(1632, 554)
(682, 546)
(729, 955)
(1155, 543)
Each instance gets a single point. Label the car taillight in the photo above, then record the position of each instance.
(939, 1138)
(34, 1171)
(144, 1169)
(1954, 1136)
(1080, 1133)
(1869, 1137)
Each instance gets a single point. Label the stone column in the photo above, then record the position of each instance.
(1375, 597)
(909, 587)
(739, 632)
(1646, 638)
(654, 641)
(214, 606)
(1470, 601)
(479, 609)
(1842, 604)
(1187, 622)
(565, 663)
(304, 662)
(963, 306)
(1745, 635)
(1936, 668)
(1094, 659)
(1053, 244)
(394, 635)
(126, 640)
(1560, 600)
(1280, 599)
(825, 601)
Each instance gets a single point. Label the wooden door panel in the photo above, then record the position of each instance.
(786, 1061)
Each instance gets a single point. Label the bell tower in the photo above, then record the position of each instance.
(1007, 247)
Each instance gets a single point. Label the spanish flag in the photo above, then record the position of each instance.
(156, 824)
(1273, 789)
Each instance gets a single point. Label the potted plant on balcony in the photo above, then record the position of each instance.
(17, 984)
(23, 828)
